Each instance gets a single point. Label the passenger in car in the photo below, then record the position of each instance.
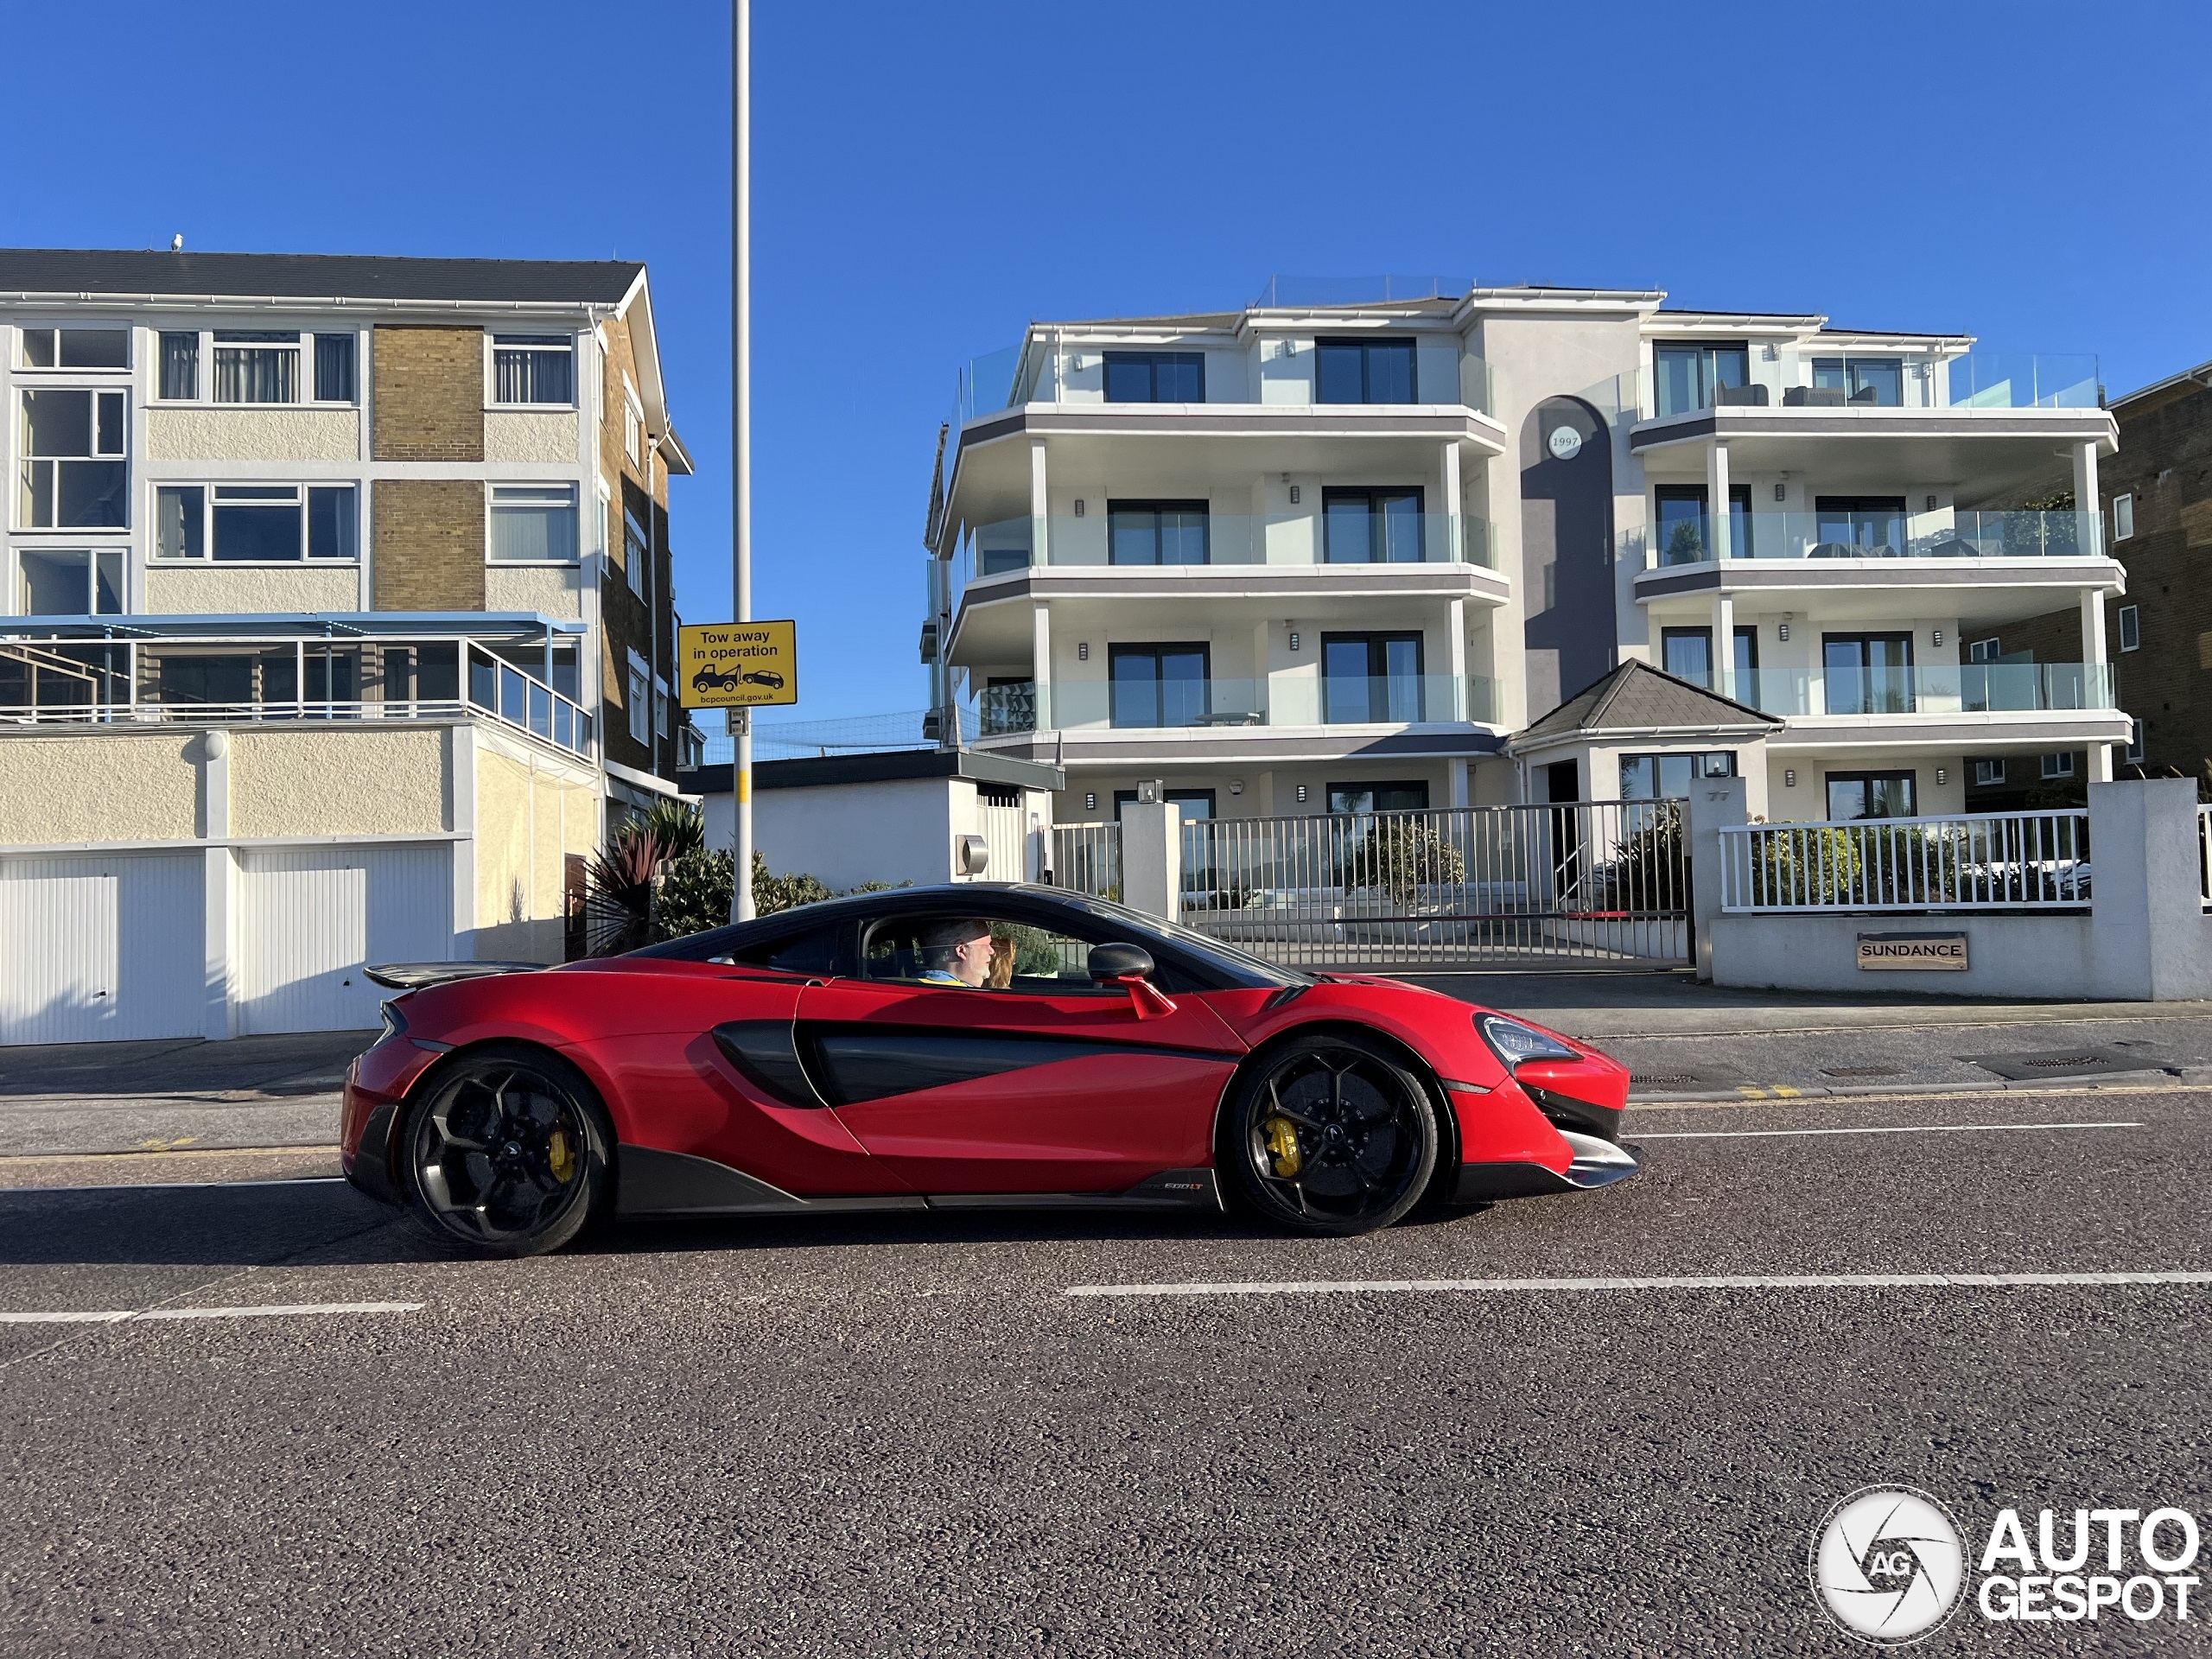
(1003, 954)
(958, 953)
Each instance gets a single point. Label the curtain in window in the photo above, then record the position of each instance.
(528, 375)
(180, 366)
(333, 368)
(256, 375)
(533, 523)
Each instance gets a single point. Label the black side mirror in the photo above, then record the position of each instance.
(1110, 962)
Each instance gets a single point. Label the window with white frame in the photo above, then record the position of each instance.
(1988, 774)
(533, 369)
(2131, 628)
(76, 348)
(637, 556)
(257, 365)
(1982, 650)
(641, 703)
(660, 709)
(179, 366)
(336, 376)
(533, 523)
(74, 475)
(257, 523)
(633, 424)
(2123, 516)
(2058, 766)
(2135, 742)
(76, 582)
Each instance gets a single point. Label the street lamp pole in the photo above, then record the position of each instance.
(740, 720)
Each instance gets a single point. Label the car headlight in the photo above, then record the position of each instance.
(1513, 1042)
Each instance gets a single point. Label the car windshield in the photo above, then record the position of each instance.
(1240, 964)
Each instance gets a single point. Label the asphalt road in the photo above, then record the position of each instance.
(903, 1435)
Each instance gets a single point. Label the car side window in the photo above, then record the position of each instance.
(814, 951)
(1024, 959)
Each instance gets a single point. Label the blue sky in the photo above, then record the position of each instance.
(930, 178)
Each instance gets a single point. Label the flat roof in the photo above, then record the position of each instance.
(314, 276)
(878, 767)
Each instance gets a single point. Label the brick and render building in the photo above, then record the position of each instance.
(338, 624)
(1303, 558)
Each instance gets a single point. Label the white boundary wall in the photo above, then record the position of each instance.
(2146, 937)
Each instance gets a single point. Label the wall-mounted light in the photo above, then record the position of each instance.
(1941, 776)
(1931, 504)
(1781, 491)
(1294, 495)
(1083, 650)
(1236, 785)
(1089, 800)
(1782, 629)
(1939, 636)
(1294, 639)
(1301, 793)
(1078, 506)
(1789, 777)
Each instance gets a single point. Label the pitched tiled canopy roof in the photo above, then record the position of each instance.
(316, 277)
(1637, 697)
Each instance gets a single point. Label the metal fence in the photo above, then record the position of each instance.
(1984, 861)
(1577, 884)
(1087, 857)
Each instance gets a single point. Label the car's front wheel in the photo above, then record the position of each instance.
(509, 1151)
(1329, 1135)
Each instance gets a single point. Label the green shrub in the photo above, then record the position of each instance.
(1401, 856)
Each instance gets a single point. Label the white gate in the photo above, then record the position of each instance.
(311, 919)
(100, 949)
(1581, 884)
(1006, 832)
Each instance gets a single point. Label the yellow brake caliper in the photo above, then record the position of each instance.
(560, 1156)
(1282, 1147)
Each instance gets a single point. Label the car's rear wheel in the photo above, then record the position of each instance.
(508, 1152)
(1329, 1135)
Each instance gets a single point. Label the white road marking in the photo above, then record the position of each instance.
(268, 1310)
(1875, 1129)
(1733, 1281)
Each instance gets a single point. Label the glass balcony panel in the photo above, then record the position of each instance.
(1681, 534)
(1399, 533)
(2020, 380)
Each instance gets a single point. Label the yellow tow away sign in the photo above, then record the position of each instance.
(738, 664)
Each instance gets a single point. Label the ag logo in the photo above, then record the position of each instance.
(1887, 1564)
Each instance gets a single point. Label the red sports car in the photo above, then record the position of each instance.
(958, 1047)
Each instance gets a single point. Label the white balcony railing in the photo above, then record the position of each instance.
(52, 683)
(1989, 860)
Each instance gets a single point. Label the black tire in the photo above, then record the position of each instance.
(1328, 1134)
(509, 1151)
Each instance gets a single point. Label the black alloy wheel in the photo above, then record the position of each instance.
(1330, 1134)
(509, 1151)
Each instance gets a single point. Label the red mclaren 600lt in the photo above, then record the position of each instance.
(956, 1047)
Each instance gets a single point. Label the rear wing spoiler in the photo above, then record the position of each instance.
(417, 976)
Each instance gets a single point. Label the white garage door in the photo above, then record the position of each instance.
(95, 950)
(311, 919)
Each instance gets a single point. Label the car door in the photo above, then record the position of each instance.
(701, 1055)
(1046, 1083)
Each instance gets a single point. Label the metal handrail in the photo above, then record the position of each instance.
(1983, 861)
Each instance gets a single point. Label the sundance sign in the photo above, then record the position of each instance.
(1920, 952)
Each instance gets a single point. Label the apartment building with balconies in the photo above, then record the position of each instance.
(1334, 556)
(337, 623)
